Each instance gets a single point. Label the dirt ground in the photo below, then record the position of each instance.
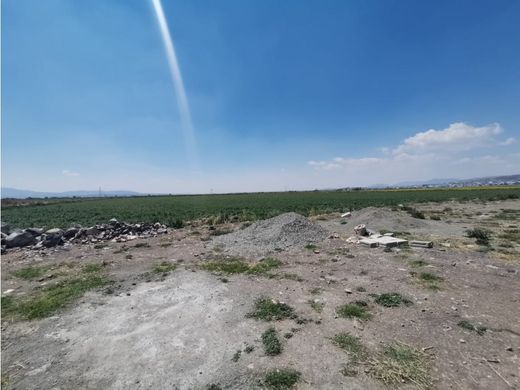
(182, 329)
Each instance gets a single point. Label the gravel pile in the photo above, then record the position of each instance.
(272, 235)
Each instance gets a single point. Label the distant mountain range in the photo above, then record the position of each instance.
(475, 182)
(22, 194)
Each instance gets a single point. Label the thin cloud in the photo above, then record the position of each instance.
(456, 137)
(66, 172)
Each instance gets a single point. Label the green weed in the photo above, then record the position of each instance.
(269, 310)
(281, 379)
(272, 344)
(351, 310)
(392, 299)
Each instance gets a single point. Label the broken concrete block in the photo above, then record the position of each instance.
(370, 242)
(421, 244)
(360, 230)
(346, 215)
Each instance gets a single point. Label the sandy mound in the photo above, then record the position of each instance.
(384, 219)
(281, 232)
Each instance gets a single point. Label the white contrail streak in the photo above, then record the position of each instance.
(178, 84)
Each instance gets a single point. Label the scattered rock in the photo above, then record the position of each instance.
(19, 239)
(6, 228)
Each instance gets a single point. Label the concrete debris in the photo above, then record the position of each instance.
(35, 238)
(346, 215)
(361, 230)
(421, 244)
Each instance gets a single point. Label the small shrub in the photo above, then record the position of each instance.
(269, 310)
(317, 306)
(351, 310)
(392, 299)
(429, 277)
(236, 356)
(164, 268)
(311, 247)
(232, 266)
(482, 236)
(142, 245)
(473, 328)
(400, 364)
(281, 379)
(272, 344)
(264, 266)
(418, 263)
(350, 344)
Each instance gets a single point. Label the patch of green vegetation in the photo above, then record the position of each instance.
(418, 263)
(392, 299)
(268, 309)
(311, 247)
(351, 310)
(214, 386)
(473, 328)
(315, 291)
(238, 266)
(430, 277)
(400, 363)
(317, 306)
(236, 356)
(414, 212)
(272, 344)
(281, 379)
(90, 268)
(129, 256)
(288, 276)
(142, 245)
(508, 214)
(6, 381)
(361, 289)
(31, 272)
(99, 246)
(350, 344)
(264, 266)
(165, 244)
(164, 268)
(512, 235)
(232, 266)
(249, 349)
(220, 232)
(51, 298)
(173, 210)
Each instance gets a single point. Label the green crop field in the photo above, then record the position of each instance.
(173, 210)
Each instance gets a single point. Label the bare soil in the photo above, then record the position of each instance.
(181, 330)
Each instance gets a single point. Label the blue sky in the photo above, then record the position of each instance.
(283, 95)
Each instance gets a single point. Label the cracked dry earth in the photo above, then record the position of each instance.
(182, 329)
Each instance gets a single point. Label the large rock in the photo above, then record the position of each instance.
(19, 239)
(55, 231)
(6, 228)
(70, 233)
(50, 240)
(34, 231)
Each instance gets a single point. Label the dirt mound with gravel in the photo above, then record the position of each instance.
(272, 235)
(385, 219)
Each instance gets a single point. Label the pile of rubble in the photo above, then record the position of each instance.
(374, 239)
(115, 231)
